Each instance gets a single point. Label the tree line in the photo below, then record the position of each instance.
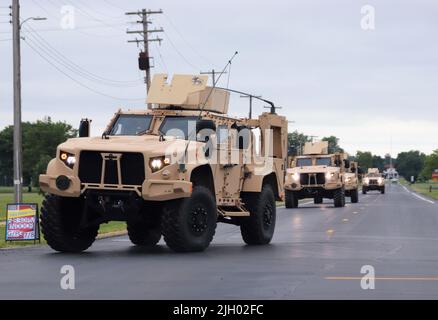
(40, 139)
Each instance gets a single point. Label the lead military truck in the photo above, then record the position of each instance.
(174, 170)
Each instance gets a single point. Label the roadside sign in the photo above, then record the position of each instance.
(22, 222)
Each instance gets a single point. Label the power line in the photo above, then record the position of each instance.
(127, 83)
(180, 54)
(77, 81)
(185, 40)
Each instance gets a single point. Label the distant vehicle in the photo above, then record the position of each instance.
(373, 180)
(317, 174)
(391, 174)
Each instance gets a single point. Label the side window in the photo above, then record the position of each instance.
(222, 134)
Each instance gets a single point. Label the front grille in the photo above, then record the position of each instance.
(373, 181)
(131, 164)
(312, 178)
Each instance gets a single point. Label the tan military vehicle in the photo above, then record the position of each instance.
(174, 170)
(373, 180)
(351, 182)
(316, 174)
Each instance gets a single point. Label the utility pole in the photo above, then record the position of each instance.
(18, 176)
(17, 134)
(250, 102)
(213, 74)
(144, 56)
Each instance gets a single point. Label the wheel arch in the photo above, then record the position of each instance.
(203, 175)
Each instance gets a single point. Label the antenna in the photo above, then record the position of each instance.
(182, 165)
(215, 82)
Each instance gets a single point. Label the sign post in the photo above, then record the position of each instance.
(22, 222)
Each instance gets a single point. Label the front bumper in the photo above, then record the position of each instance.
(373, 186)
(152, 190)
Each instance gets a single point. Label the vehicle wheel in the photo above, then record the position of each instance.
(364, 191)
(355, 196)
(382, 191)
(258, 228)
(317, 200)
(291, 201)
(339, 198)
(189, 224)
(60, 221)
(144, 232)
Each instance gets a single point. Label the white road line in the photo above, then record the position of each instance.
(424, 199)
(418, 196)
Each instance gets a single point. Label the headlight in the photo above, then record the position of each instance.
(69, 159)
(329, 175)
(366, 181)
(296, 176)
(158, 163)
(380, 180)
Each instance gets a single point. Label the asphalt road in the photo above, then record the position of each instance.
(317, 253)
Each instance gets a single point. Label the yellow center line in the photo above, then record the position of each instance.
(425, 278)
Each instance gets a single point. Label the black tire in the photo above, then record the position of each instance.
(60, 221)
(339, 198)
(144, 232)
(259, 227)
(355, 196)
(180, 232)
(364, 190)
(317, 200)
(291, 201)
(382, 191)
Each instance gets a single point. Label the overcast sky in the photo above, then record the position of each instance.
(313, 58)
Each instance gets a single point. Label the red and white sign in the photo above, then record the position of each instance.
(22, 222)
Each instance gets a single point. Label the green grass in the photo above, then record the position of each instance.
(11, 190)
(422, 188)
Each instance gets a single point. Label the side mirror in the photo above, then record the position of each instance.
(84, 128)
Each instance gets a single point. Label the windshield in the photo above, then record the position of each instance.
(130, 125)
(304, 162)
(326, 161)
(373, 175)
(179, 127)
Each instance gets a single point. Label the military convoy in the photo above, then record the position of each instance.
(317, 174)
(173, 170)
(373, 180)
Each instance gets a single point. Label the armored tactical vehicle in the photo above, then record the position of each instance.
(316, 174)
(373, 180)
(351, 182)
(173, 170)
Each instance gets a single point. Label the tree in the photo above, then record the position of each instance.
(430, 165)
(365, 160)
(410, 163)
(296, 141)
(40, 140)
(333, 144)
(378, 162)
